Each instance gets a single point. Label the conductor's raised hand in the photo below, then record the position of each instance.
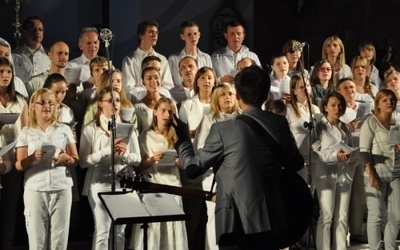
(181, 129)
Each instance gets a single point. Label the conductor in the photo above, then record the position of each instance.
(248, 155)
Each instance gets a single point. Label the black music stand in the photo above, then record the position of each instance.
(127, 208)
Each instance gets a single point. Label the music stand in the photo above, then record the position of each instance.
(127, 208)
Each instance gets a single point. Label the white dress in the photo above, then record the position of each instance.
(164, 235)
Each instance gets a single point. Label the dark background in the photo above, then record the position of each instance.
(269, 23)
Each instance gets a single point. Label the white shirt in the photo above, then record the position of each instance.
(225, 60)
(192, 111)
(81, 62)
(9, 132)
(42, 175)
(296, 124)
(95, 154)
(203, 59)
(279, 86)
(132, 74)
(29, 63)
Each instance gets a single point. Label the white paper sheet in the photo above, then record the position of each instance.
(7, 148)
(168, 158)
(394, 135)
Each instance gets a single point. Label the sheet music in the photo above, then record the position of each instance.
(161, 204)
(343, 146)
(349, 116)
(363, 109)
(168, 158)
(7, 148)
(124, 131)
(284, 86)
(73, 75)
(394, 135)
(124, 205)
(9, 118)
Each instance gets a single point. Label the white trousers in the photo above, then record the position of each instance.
(47, 217)
(383, 208)
(102, 223)
(332, 222)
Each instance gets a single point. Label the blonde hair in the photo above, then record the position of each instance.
(367, 83)
(171, 135)
(32, 121)
(104, 82)
(341, 59)
(381, 94)
(216, 94)
(294, 80)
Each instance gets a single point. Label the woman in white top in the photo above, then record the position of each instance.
(127, 111)
(194, 109)
(392, 82)
(334, 174)
(366, 91)
(11, 180)
(381, 173)
(95, 153)
(224, 107)
(333, 51)
(295, 59)
(57, 83)
(151, 79)
(153, 142)
(46, 150)
(298, 113)
(367, 50)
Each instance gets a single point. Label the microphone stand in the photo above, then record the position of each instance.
(106, 36)
(311, 130)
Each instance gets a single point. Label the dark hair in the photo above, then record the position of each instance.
(199, 73)
(142, 27)
(186, 57)
(342, 80)
(275, 106)
(234, 23)
(53, 78)
(11, 87)
(252, 85)
(148, 59)
(144, 71)
(28, 22)
(341, 99)
(314, 79)
(188, 24)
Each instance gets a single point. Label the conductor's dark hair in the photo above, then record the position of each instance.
(252, 85)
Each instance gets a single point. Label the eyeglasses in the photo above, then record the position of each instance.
(42, 103)
(322, 69)
(111, 100)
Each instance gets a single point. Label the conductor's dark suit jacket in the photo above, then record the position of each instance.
(247, 173)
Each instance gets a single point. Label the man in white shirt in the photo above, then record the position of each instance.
(30, 59)
(188, 68)
(58, 56)
(190, 34)
(147, 33)
(89, 44)
(225, 60)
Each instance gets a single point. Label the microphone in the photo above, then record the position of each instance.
(106, 36)
(298, 46)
